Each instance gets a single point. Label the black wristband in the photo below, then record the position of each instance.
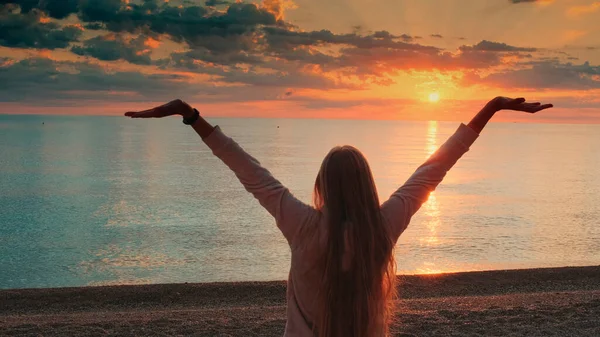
(193, 119)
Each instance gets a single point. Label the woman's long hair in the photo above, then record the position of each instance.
(358, 286)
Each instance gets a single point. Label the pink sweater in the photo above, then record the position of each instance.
(295, 218)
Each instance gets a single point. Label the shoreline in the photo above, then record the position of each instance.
(555, 301)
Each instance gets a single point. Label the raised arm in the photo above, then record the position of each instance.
(406, 201)
(289, 212)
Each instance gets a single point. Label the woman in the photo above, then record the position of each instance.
(341, 280)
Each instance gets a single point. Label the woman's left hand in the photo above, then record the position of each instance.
(175, 107)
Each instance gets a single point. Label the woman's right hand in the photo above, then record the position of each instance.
(516, 104)
(175, 107)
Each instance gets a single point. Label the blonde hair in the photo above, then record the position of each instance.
(358, 285)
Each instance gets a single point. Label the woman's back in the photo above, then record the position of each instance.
(307, 230)
(306, 275)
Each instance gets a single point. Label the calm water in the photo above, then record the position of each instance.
(108, 200)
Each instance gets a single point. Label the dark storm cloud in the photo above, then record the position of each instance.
(94, 26)
(216, 2)
(58, 9)
(195, 25)
(27, 31)
(102, 10)
(191, 24)
(495, 47)
(113, 47)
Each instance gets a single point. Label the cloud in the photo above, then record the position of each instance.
(531, 1)
(191, 24)
(382, 61)
(112, 47)
(544, 75)
(220, 33)
(32, 30)
(283, 38)
(188, 59)
(368, 59)
(539, 2)
(384, 34)
(255, 35)
(296, 59)
(94, 26)
(44, 80)
(277, 7)
(438, 36)
(573, 35)
(495, 47)
(58, 9)
(577, 11)
(264, 73)
(213, 3)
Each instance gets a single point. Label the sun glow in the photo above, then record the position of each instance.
(434, 97)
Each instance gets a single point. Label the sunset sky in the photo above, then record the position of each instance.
(375, 59)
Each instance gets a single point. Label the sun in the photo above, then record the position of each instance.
(434, 97)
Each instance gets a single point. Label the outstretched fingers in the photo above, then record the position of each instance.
(142, 113)
(174, 107)
(534, 107)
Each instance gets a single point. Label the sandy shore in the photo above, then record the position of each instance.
(532, 302)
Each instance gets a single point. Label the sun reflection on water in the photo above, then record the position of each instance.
(429, 268)
(431, 207)
(432, 223)
(432, 130)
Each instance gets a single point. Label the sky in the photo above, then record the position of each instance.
(360, 59)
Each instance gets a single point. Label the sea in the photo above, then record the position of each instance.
(105, 200)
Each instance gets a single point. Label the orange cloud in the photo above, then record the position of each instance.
(576, 11)
(109, 37)
(44, 53)
(573, 34)
(278, 7)
(78, 26)
(152, 43)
